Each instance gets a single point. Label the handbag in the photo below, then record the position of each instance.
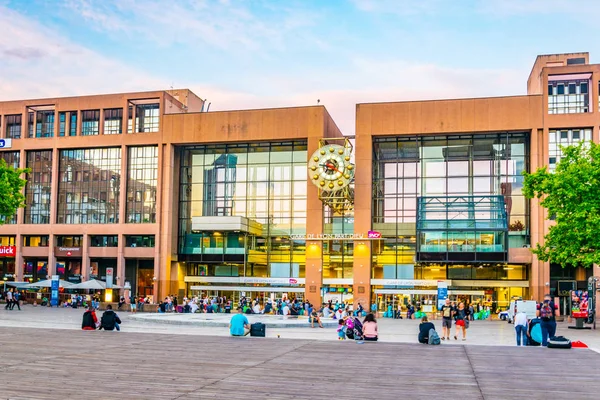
(466, 324)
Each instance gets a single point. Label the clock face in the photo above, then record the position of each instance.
(329, 168)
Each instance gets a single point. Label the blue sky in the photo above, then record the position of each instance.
(260, 53)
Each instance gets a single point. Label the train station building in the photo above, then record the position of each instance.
(173, 199)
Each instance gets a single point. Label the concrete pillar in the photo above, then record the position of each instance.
(120, 273)
(19, 258)
(85, 257)
(314, 226)
(162, 244)
(363, 181)
(168, 181)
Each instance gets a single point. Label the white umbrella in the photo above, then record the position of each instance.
(92, 284)
(48, 283)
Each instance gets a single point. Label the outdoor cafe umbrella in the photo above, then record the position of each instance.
(92, 284)
(48, 283)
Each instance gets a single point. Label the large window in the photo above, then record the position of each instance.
(147, 118)
(44, 127)
(104, 240)
(563, 138)
(139, 241)
(142, 177)
(89, 186)
(36, 241)
(113, 121)
(263, 182)
(67, 123)
(69, 241)
(90, 122)
(13, 126)
(38, 187)
(567, 97)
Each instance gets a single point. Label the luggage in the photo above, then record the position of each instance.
(434, 338)
(258, 329)
(559, 342)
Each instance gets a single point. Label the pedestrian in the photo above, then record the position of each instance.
(521, 325)
(239, 325)
(461, 316)
(546, 312)
(16, 298)
(133, 304)
(370, 328)
(447, 313)
(341, 330)
(90, 320)
(471, 312)
(110, 320)
(424, 327)
(9, 300)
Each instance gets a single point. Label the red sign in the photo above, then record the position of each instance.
(8, 251)
(374, 235)
(293, 281)
(69, 254)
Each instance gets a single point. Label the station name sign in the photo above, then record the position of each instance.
(337, 236)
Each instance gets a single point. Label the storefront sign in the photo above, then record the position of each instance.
(328, 236)
(565, 288)
(67, 251)
(5, 143)
(374, 235)
(8, 251)
(245, 280)
(406, 282)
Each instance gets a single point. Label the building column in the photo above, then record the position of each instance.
(313, 270)
(51, 256)
(363, 182)
(168, 185)
(160, 243)
(120, 273)
(19, 258)
(85, 258)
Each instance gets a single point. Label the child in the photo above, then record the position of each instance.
(341, 330)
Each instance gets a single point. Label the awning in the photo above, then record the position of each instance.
(430, 292)
(249, 289)
(18, 285)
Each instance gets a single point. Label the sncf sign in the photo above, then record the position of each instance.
(374, 235)
(8, 251)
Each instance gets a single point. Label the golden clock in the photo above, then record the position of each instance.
(330, 169)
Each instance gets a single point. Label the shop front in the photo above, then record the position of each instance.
(234, 288)
(69, 263)
(7, 262)
(35, 269)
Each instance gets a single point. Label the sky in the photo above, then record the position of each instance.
(240, 54)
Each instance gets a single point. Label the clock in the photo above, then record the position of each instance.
(330, 169)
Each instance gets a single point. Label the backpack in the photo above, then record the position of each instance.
(434, 338)
(546, 311)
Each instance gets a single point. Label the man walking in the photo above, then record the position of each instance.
(16, 297)
(546, 312)
(9, 300)
(521, 323)
(447, 311)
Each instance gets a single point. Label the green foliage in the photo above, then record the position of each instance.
(572, 194)
(11, 185)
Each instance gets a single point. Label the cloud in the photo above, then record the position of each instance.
(37, 62)
(219, 24)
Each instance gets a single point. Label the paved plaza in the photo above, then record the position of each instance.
(45, 355)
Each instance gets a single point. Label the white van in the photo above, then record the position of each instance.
(527, 306)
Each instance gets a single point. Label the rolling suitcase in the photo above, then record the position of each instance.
(258, 329)
(559, 342)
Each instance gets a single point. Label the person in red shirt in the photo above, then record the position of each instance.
(90, 320)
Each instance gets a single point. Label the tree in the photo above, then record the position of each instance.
(572, 195)
(11, 185)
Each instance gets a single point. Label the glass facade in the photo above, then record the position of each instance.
(142, 180)
(407, 168)
(104, 240)
(338, 255)
(88, 188)
(264, 183)
(38, 188)
(562, 138)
